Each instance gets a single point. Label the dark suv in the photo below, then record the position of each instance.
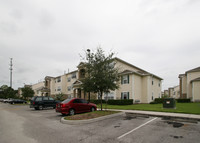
(40, 102)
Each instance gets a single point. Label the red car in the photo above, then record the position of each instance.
(75, 105)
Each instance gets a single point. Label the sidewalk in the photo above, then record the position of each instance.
(162, 114)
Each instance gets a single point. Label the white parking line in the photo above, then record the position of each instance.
(136, 128)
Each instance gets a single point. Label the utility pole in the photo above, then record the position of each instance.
(11, 72)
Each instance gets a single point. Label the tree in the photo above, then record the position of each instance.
(101, 74)
(7, 92)
(59, 97)
(27, 92)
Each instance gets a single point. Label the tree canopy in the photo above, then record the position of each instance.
(7, 92)
(27, 92)
(101, 73)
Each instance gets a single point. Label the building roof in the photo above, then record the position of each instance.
(196, 79)
(139, 72)
(194, 70)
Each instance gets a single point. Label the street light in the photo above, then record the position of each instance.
(88, 50)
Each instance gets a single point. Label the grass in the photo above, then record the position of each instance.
(188, 108)
(90, 115)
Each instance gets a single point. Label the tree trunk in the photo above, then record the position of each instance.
(101, 100)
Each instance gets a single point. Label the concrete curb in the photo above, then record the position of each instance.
(162, 114)
(78, 122)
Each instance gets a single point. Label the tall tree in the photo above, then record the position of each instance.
(7, 92)
(101, 73)
(27, 92)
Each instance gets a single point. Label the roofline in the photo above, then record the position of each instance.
(150, 74)
(193, 70)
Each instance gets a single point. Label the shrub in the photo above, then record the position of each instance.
(120, 102)
(158, 100)
(153, 102)
(183, 100)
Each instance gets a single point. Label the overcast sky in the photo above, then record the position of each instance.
(46, 37)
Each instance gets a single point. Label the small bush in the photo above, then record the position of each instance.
(158, 100)
(183, 100)
(153, 102)
(120, 102)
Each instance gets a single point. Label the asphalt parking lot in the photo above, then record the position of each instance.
(20, 124)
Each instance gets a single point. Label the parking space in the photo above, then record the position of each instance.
(45, 126)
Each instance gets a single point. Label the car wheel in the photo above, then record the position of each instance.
(40, 107)
(36, 108)
(92, 109)
(71, 112)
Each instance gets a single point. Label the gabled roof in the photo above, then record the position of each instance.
(194, 70)
(139, 71)
(196, 79)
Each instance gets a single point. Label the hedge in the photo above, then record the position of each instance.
(183, 100)
(158, 100)
(114, 102)
(120, 102)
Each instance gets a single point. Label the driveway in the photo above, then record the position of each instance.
(20, 124)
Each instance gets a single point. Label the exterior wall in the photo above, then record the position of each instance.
(145, 87)
(154, 90)
(176, 93)
(196, 91)
(123, 67)
(166, 93)
(137, 89)
(36, 87)
(171, 91)
(191, 76)
(69, 85)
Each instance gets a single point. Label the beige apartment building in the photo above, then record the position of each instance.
(39, 89)
(136, 84)
(174, 92)
(190, 84)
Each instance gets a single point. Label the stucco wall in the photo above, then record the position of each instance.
(191, 76)
(37, 86)
(196, 91)
(122, 66)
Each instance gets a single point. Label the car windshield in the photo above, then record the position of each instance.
(66, 101)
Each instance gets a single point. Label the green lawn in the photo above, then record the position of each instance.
(189, 108)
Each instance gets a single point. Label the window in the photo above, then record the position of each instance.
(83, 101)
(58, 79)
(69, 88)
(73, 75)
(152, 96)
(125, 95)
(108, 96)
(46, 83)
(82, 73)
(45, 98)
(159, 84)
(50, 98)
(69, 79)
(125, 79)
(38, 99)
(77, 101)
(152, 82)
(59, 88)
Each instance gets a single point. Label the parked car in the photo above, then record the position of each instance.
(1, 100)
(17, 101)
(41, 102)
(7, 100)
(75, 105)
